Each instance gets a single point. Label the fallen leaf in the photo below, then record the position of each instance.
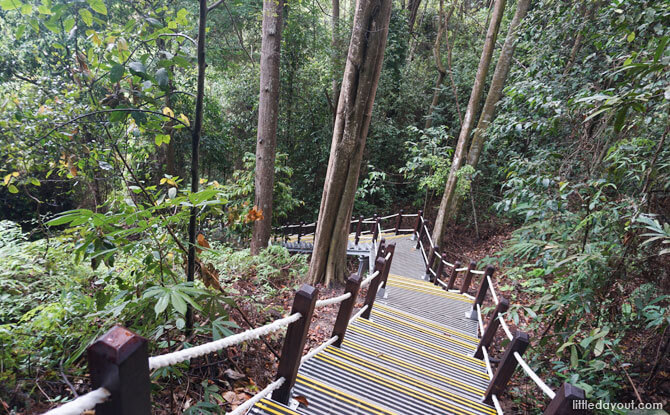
(234, 375)
(229, 396)
(302, 400)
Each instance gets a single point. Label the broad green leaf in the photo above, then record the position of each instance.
(10, 4)
(162, 77)
(116, 73)
(178, 302)
(20, 31)
(631, 37)
(98, 6)
(162, 303)
(86, 16)
(12, 189)
(574, 358)
(599, 347)
(137, 67)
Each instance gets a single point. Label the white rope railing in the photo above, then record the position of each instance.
(260, 395)
(169, 359)
(488, 362)
(430, 238)
(479, 320)
(468, 296)
(358, 314)
(493, 290)
(505, 327)
(369, 279)
(387, 230)
(81, 404)
(461, 269)
(474, 271)
(545, 388)
(496, 404)
(387, 257)
(405, 230)
(432, 272)
(449, 264)
(410, 215)
(442, 283)
(389, 217)
(319, 349)
(423, 251)
(333, 300)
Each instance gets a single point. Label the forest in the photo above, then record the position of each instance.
(151, 152)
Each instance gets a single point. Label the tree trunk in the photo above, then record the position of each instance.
(354, 110)
(413, 6)
(576, 46)
(497, 83)
(468, 120)
(195, 150)
(441, 72)
(495, 92)
(335, 45)
(267, 121)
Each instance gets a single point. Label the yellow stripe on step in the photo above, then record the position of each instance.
(340, 395)
(276, 405)
(417, 351)
(443, 294)
(457, 384)
(423, 342)
(394, 386)
(379, 306)
(407, 379)
(424, 330)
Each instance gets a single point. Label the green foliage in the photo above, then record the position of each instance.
(430, 159)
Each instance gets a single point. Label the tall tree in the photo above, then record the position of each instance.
(354, 110)
(413, 7)
(195, 148)
(493, 97)
(266, 139)
(468, 120)
(443, 24)
(335, 45)
(497, 84)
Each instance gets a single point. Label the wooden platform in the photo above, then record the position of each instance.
(413, 356)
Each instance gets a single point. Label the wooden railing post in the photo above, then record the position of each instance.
(285, 231)
(358, 229)
(508, 364)
(432, 253)
(380, 263)
(564, 403)
(491, 327)
(294, 342)
(481, 293)
(419, 233)
(382, 248)
(417, 225)
(387, 267)
(346, 308)
(300, 228)
(454, 274)
(398, 221)
(440, 268)
(119, 362)
(375, 230)
(468, 277)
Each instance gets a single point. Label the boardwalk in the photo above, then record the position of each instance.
(413, 356)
